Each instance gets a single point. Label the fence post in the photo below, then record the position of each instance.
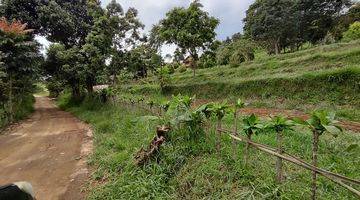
(235, 133)
(219, 135)
(279, 164)
(314, 163)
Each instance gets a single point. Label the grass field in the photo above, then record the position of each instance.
(191, 169)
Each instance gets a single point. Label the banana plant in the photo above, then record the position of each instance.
(320, 122)
(279, 124)
(219, 110)
(252, 125)
(238, 105)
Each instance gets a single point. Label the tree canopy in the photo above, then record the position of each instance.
(191, 29)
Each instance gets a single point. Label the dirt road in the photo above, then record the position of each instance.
(48, 150)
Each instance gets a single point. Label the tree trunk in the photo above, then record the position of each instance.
(314, 162)
(76, 92)
(277, 46)
(279, 164)
(89, 87)
(247, 149)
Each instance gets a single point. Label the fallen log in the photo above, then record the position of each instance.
(143, 156)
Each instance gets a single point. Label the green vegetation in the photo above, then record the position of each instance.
(318, 77)
(94, 45)
(353, 33)
(19, 62)
(190, 168)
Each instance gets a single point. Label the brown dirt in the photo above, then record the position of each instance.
(49, 150)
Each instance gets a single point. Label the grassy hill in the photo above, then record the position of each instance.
(324, 76)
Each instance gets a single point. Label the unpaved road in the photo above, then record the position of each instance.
(48, 150)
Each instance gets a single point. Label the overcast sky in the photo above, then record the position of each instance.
(230, 12)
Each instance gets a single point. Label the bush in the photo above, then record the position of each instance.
(353, 33)
(236, 58)
(236, 53)
(223, 55)
(182, 69)
(207, 61)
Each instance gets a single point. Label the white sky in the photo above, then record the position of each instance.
(230, 12)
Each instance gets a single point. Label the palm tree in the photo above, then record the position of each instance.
(252, 126)
(279, 124)
(319, 122)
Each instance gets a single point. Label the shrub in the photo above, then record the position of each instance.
(182, 69)
(353, 33)
(236, 58)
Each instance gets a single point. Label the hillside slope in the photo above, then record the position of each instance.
(325, 76)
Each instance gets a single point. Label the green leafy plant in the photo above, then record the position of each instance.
(252, 125)
(219, 110)
(353, 33)
(280, 125)
(163, 76)
(320, 122)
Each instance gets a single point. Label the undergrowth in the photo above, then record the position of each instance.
(22, 107)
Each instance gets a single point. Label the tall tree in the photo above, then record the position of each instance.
(66, 65)
(66, 22)
(273, 22)
(318, 17)
(26, 11)
(20, 60)
(191, 29)
(125, 35)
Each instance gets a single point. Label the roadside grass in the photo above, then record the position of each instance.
(191, 169)
(23, 107)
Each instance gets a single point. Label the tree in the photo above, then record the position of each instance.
(125, 28)
(318, 17)
(279, 125)
(65, 66)
(191, 29)
(20, 60)
(142, 59)
(66, 22)
(272, 22)
(319, 123)
(26, 11)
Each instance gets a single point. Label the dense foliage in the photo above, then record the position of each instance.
(288, 24)
(191, 29)
(19, 67)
